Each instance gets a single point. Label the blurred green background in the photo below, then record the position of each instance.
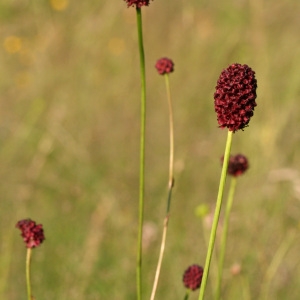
(69, 145)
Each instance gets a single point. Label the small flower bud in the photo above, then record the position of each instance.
(164, 66)
(237, 165)
(33, 235)
(192, 277)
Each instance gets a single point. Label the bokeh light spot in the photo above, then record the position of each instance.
(116, 46)
(59, 4)
(12, 44)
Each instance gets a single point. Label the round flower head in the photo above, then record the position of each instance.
(164, 66)
(33, 235)
(137, 3)
(235, 97)
(192, 277)
(238, 165)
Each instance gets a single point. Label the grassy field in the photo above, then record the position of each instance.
(69, 145)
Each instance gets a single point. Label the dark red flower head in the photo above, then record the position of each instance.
(33, 235)
(164, 66)
(238, 165)
(235, 97)
(192, 277)
(137, 3)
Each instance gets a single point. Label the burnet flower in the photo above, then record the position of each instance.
(235, 97)
(137, 3)
(192, 277)
(164, 66)
(33, 234)
(237, 165)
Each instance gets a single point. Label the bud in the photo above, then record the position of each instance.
(33, 235)
(192, 277)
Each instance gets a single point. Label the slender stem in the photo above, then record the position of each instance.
(214, 267)
(216, 215)
(28, 283)
(170, 187)
(142, 154)
(187, 294)
(171, 125)
(224, 235)
(160, 258)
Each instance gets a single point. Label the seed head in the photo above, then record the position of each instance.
(164, 66)
(238, 165)
(235, 97)
(192, 277)
(33, 235)
(137, 3)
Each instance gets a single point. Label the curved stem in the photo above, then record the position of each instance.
(224, 235)
(142, 154)
(160, 258)
(170, 187)
(28, 283)
(216, 215)
(171, 126)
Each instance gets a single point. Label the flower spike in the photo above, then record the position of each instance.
(235, 97)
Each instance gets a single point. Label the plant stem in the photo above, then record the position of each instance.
(224, 235)
(28, 283)
(214, 267)
(161, 253)
(187, 294)
(142, 155)
(171, 125)
(216, 215)
(170, 187)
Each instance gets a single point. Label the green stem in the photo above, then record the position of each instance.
(187, 294)
(28, 257)
(224, 235)
(170, 187)
(216, 215)
(142, 154)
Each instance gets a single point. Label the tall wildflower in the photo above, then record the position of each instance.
(165, 66)
(234, 101)
(138, 4)
(33, 236)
